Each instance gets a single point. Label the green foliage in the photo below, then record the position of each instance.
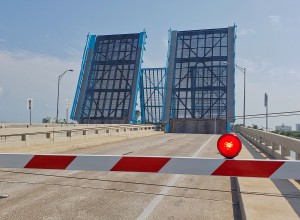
(293, 134)
(53, 120)
(47, 120)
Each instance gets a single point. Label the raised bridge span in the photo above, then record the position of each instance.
(53, 194)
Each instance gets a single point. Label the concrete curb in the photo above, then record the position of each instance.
(240, 200)
(253, 207)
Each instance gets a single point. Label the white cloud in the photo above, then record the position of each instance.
(275, 74)
(1, 91)
(150, 63)
(25, 74)
(246, 32)
(73, 52)
(150, 57)
(280, 82)
(275, 22)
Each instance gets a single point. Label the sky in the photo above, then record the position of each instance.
(41, 39)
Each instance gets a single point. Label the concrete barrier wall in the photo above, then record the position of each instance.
(47, 125)
(35, 135)
(278, 146)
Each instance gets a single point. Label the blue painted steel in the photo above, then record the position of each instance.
(142, 100)
(166, 74)
(167, 126)
(228, 127)
(90, 43)
(142, 40)
(234, 71)
(200, 79)
(91, 47)
(111, 79)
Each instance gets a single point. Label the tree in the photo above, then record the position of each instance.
(46, 120)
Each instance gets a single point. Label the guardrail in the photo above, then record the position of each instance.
(45, 125)
(278, 146)
(64, 134)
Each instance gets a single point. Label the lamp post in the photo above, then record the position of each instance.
(244, 71)
(59, 78)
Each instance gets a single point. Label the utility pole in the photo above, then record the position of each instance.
(266, 105)
(67, 109)
(244, 109)
(29, 106)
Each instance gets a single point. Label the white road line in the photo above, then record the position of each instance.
(73, 172)
(202, 147)
(149, 209)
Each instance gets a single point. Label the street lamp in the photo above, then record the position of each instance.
(59, 78)
(244, 71)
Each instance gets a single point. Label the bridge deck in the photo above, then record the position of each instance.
(37, 194)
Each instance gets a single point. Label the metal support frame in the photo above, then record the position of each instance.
(111, 79)
(152, 94)
(142, 42)
(200, 78)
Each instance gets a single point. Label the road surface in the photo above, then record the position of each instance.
(52, 194)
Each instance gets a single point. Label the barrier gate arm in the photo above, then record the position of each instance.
(274, 169)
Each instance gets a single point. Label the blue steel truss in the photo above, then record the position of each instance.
(77, 103)
(142, 42)
(108, 83)
(200, 76)
(152, 94)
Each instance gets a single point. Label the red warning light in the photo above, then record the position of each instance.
(229, 145)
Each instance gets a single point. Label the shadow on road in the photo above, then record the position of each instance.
(286, 188)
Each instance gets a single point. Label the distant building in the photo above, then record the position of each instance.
(283, 128)
(297, 127)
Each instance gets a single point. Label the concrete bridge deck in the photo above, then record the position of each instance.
(52, 194)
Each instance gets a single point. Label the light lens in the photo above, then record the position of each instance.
(229, 145)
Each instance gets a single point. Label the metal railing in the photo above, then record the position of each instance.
(278, 146)
(45, 125)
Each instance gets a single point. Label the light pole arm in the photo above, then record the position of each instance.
(241, 68)
(61, 75)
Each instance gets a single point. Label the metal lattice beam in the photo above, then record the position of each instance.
(200, 78)
(152, 94)
(112, 78)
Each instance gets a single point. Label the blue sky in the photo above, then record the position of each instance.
(41, 39)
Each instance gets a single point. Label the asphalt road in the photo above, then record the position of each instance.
(52, 194)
